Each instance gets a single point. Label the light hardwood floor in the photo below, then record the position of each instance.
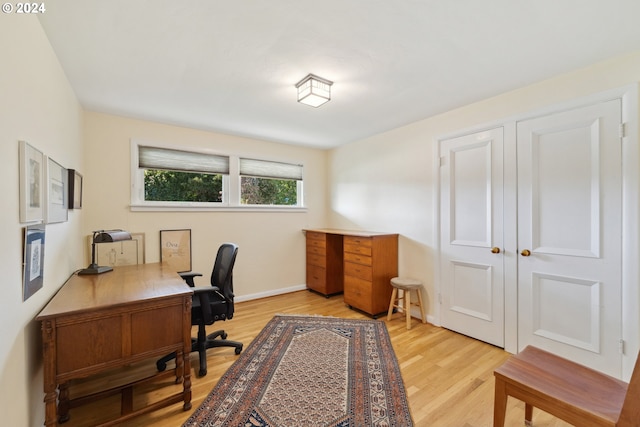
(448, 377)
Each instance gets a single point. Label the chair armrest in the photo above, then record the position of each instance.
(206, 296)
(188, 277)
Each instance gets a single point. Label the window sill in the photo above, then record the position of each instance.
(187, 208)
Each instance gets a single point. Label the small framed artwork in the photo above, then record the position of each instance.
(75, 189)
(175, 249)
(57, 194)
(33, 261)
(31, 183)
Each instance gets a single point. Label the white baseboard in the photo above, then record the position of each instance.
(270, 293)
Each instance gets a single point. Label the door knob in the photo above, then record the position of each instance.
(525, 252)
(495, 250)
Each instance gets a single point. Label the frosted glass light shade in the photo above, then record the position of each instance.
(314, 90)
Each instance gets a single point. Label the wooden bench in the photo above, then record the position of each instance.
(567, 390)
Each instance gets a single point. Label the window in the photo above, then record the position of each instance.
(170, 175)
(176, 178)
(269, 183)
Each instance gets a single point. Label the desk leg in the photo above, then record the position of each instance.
(49, 361)
(183, 369)
(63, 404)
(50, 400)
(182, 357)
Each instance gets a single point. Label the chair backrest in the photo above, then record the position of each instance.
(630, 413)
(222, 274)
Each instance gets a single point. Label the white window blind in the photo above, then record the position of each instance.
(178, 160)
(269, 169)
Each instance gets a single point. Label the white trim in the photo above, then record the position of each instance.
(630, 231)
(270, 293)
(224, 208)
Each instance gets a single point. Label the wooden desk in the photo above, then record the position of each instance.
(99, 322)
(359, 263)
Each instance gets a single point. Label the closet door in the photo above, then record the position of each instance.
(569, 235)
(471, 235)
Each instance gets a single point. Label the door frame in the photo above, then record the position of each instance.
(630, 316)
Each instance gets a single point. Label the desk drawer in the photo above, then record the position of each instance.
(357, 258)
(314, 235)
(357, 293)
(90, 342)
(314, 250)
(358, 241)
(316, 259)
(363, 272)
(320, 244)
(357, 249)
(316, 278)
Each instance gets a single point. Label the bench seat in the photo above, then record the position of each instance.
(572, 392)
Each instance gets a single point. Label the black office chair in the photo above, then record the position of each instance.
(211, 304)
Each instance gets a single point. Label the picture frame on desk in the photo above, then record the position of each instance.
(31, 183)
(175, 249)
(33, 260)
(126, 252)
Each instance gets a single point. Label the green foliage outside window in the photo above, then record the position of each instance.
(173, 186)
(265, 191)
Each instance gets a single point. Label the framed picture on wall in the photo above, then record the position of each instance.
(175, 249)
(57, 193)
(33, 260)
(75, 189)
(31, 183)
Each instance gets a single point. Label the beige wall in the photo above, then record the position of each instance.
(271, 255)
(36, 105)
(392, 185)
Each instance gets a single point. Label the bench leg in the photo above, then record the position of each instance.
(499, 404)
(528, 414)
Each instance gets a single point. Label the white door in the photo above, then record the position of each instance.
(471, 235)
(569, 235)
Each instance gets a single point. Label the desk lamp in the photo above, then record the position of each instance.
(103, 236)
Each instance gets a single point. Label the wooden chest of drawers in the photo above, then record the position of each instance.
(370, 262)
(324, 262)
(361, 264)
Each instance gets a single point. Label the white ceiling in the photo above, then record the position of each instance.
(231, 66)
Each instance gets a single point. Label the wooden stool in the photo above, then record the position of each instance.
(406, 286)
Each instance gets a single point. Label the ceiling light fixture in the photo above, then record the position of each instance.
(314, 90)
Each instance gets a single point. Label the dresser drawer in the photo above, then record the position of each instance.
(358, 258)
(363, 272)
(316, 259)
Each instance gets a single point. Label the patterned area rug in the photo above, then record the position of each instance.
(311, 371)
